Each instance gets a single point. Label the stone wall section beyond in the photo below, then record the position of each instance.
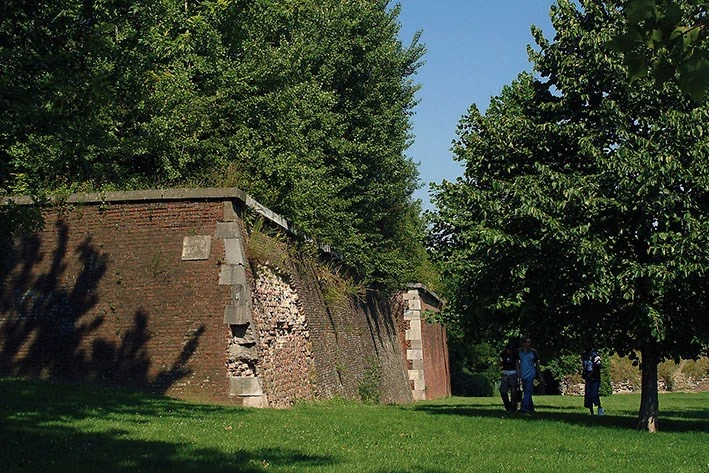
(285, 364)
(425, 345)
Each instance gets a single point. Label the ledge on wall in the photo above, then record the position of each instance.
(157, 195)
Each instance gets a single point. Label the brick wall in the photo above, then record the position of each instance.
(102, 294)
(424, 345)
(435, 351)
(130, 289)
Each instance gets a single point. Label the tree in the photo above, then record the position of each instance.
(584, 205)
(303, 104)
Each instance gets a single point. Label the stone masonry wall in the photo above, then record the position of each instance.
(165, 291)
(285, 363)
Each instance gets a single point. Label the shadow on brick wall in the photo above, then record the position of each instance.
(46, 325)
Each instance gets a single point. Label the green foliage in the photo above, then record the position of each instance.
(265, 245)
(584, 205)
(369, 385)
(668, 40)
(471, 384)
(19, 219)
(563, 366)
(304, 105)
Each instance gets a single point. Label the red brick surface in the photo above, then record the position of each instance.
(102, 295)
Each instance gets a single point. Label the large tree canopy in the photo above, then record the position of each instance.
(584, 206)
(304, 104)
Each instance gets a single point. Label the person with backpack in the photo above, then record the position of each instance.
(528, 370)
(591, 373)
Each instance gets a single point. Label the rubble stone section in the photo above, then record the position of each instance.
(414, 353)
(245, 387)
(285, 364)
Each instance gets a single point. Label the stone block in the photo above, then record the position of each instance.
(416, 344)
(196, 247)
(414, 331)
(234, 252)
(242, 353)
(259, 402)
(243, 334)
(240, 295)
(412, 314)
(228, 230)
(414, 304)
(417, 364)
(414, 374)
(247, 386)
(232, 274)
(419, 391)
(414, 354)
(237, 314)
(420, 384)
(229, 212)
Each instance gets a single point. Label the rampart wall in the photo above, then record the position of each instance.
(187, 293)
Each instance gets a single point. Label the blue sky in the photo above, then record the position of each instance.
(475, 47)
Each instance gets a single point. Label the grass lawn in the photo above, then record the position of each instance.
(70, 429)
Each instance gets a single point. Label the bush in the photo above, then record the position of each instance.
(465, 383)
(368, 388)
(622, 370)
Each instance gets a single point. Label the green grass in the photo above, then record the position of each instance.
(72, 429)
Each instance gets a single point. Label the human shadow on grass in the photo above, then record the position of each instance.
(692, 420)
(55, 400)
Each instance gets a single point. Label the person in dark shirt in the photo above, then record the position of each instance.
(509, 380)
(591, 373)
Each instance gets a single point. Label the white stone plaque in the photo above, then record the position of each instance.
(196, 247)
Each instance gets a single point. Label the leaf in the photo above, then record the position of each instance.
(694, 77)
(662, 70)
(637, 65)
(637, 11)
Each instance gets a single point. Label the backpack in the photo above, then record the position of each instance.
(588, 364)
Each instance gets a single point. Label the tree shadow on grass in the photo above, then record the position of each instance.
(691, 420)
(41, 431)
(62, 449)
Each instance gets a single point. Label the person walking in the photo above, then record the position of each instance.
(528, 370)
(509, 380)
(591, 373)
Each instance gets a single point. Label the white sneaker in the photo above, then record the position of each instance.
(601, 412)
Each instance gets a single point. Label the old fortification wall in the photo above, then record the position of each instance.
(186, 293)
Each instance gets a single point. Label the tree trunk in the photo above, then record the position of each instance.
(649, 406)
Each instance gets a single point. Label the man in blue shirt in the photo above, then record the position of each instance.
(528, 371)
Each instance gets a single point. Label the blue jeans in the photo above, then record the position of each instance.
(527, 388)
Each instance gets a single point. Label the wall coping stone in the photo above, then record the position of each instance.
(165, 195)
